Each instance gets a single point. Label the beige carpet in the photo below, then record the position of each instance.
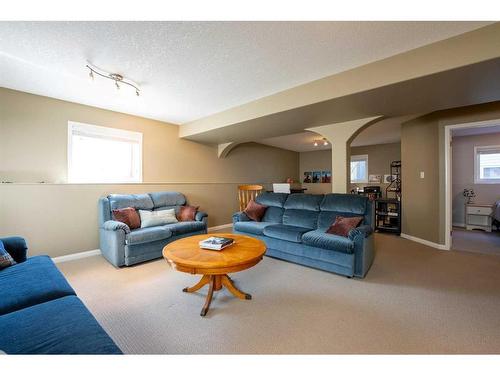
(415, 299)
(476, 241)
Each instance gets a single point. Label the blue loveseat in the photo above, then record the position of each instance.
(124, 247)
(40, 312)
(294, 229)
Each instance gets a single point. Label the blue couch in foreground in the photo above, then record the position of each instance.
(124, 247)
(294, 229)
(40, 312)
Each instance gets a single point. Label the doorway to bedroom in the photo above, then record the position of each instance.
(474, 187)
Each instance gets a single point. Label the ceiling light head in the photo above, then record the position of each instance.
(91, 75)
(315, 143)
(325, 142)
(117, 85)
(137, 92)
(116, 76)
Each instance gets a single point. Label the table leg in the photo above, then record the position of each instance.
(210, 294)
(203, 281)
(228, 283)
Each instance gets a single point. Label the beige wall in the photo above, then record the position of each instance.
(316, 161)
(463, 173)
(59, 218)
(379, 160)
(422, 149)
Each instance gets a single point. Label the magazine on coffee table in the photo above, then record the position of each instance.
(216, 243)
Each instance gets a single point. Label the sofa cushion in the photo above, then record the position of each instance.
(31, 282)
(137, 201)
(273, 215)
(309, 202)
(352, 203)
(253, 227)
(285, 232)
(167, 198)
(61, 326)
(272, 199)
(150, 234)
(318, 238)
(301, 218)
(185, 227)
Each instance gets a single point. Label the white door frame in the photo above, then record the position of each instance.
(447, 166)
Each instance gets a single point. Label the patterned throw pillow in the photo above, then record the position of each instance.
(187, 213)
(343, 225)
(128, 216)
(255, 211)
(6, 259)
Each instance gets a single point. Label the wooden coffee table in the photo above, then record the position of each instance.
(185, 255)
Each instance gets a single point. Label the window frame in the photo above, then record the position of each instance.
(477, 169)
(103, 131)
(359, 158)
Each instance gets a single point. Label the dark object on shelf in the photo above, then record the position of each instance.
(395, 186)
(372, 192)
(388, 215)
(292, 190)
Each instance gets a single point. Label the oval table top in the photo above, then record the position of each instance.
(185, 254)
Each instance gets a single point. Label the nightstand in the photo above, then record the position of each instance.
(478, 216)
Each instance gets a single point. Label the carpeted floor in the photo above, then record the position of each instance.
(415, 299)
(476, 241)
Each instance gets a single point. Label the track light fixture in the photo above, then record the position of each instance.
(117, 78)
(316, 142)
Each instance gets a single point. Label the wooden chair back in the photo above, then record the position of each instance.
(247, 193)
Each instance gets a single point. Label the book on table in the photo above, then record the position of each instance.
(216, 243)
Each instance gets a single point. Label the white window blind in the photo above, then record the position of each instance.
(98, 154)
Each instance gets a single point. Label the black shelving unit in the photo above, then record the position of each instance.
(388, 215)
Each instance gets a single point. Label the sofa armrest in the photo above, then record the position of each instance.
(113, 225)
(240, 216)
(364, 249)
(200, 215)
(16, 247)
(363, 230)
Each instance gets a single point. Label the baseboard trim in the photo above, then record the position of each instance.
(83, 254)
(223, 226)
(424, 242)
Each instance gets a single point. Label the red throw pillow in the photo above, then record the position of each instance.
(128, 216)
(255, 211)
(343, 225)
(187, 213)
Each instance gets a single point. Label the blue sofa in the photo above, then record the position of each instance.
(124, 247)
(40, 312)
(294, 229)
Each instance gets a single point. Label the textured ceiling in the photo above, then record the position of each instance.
(476, 130)
(188, 70)
(385, 131)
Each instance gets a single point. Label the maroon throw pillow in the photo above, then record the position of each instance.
(128, 216)
(187, 213)
(255, 211)
(343, 225)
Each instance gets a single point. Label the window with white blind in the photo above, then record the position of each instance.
(98, 154)
(359, 169)
(487, 165)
